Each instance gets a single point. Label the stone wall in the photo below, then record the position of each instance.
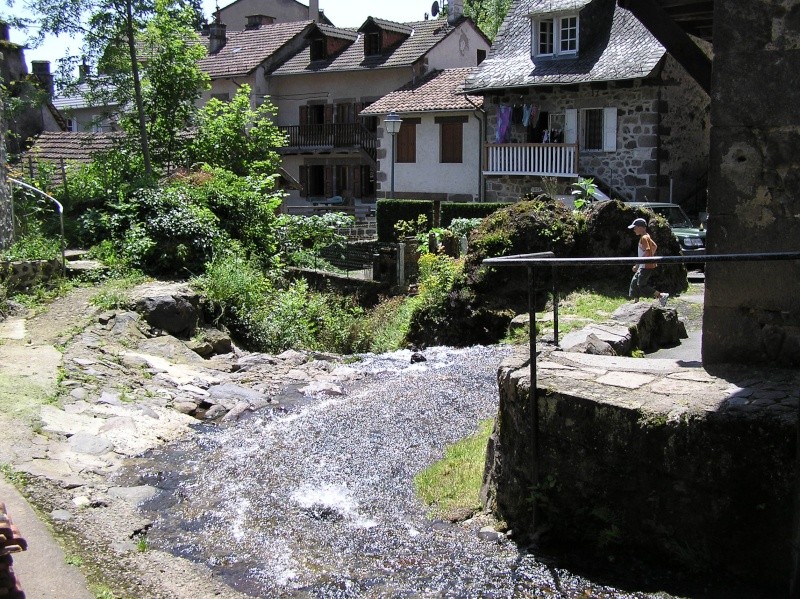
(648, 150)
(21, 275)
(683, 156)
(701, 485)
(752, 312)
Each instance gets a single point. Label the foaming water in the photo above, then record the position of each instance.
(319, 501)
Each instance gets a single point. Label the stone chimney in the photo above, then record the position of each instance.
(83, 72)
(216, 37)
(455, 10)
(41, 71)
(256, 21)
(313, 10)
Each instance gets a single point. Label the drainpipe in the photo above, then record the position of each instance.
(480, 114)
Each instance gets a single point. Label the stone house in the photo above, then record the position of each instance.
(582, 88)
(437, 153)
(321, 91)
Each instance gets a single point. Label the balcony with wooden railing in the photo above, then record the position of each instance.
(329, 137)
(541, 160)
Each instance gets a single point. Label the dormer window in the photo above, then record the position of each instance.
(555, 36)
(318, 49)
(372, 43)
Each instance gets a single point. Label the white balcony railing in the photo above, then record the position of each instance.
(544, 160)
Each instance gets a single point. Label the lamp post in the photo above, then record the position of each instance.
(392, 123)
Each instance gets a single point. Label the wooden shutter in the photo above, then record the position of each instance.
(406, 142)
(609, 129)
(304, 115)
(452, 142)
(304, 180)
(357, 191)
(328, 114)
(328, 185)
(570, 126)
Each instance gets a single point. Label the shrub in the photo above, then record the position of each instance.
(451, 211)
(389, 212)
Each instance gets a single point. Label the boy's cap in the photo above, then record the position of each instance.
(639, 222)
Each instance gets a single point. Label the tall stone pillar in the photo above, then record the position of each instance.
(6, 223)
(752, 310)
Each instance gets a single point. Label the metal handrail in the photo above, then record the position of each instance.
(60, 209)
(549, 259)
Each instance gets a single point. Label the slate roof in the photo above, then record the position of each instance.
(245, 50)
(631, 52)
(424, 36)
(438, 91)
(338, 32)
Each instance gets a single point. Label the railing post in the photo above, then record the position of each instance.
(533, 393)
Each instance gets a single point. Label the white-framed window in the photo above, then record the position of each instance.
(555, 36)
(598, 130)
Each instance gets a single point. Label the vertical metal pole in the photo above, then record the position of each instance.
(534, 396)
(394, 147)
(555, 305)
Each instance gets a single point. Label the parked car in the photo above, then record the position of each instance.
(691, 238)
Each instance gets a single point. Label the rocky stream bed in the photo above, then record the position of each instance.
(253, 475)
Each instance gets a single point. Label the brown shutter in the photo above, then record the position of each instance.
(304, 180)
(328, 114)
(329, 182)
(304, 115)
(357, 191)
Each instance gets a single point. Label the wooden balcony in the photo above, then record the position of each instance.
(330, 137)
(541, 160)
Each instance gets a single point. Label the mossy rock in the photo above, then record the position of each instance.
(608, 235)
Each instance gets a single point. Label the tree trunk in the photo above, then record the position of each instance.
(6, 221)
(137, 88)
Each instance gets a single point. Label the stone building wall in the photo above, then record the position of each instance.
(752, 312)
(685, 138)
(662, 132)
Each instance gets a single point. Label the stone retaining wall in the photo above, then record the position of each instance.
(23, 274)
(630, 474)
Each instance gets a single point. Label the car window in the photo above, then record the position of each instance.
(675, 216)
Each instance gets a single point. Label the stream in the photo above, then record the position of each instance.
(316, 499)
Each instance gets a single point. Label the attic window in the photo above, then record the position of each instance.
(318, 49)
(555, 36)
(372, 43)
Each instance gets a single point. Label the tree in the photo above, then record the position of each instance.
(487, 14)
(6, 222)
(173, 81)
(111, 30)
(237, 137)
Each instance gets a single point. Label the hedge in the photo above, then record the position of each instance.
(453, 210)
(389, 212)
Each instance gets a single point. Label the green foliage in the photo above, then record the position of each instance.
(411, 228)
(114, 293)
(234, 136)
(488, 14)
(388, 212)
(33, 246)
(451, 211)
(584, 191)
(302, 237)
(172, 78)
(462, 227)
(452, 485)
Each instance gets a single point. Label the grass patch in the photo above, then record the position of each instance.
(102, 592)
(16, 478)
(116, 292)
(452, 485)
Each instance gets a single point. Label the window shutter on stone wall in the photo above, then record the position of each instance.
(570, 126)
(609, 129)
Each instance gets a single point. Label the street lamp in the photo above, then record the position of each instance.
(392, 123)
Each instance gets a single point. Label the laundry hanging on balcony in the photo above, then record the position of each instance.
(503, 123)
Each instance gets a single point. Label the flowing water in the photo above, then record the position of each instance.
(316, 500)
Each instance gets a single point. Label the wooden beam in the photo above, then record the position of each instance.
(675, 40)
